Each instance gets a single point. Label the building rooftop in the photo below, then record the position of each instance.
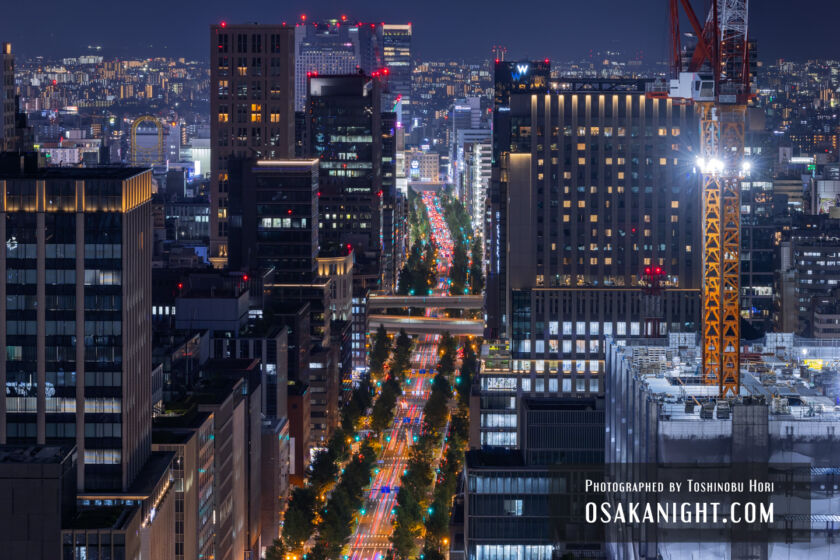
(795, 376)
(261, 329)
(8, 170)
(152, 473)
(177, 427)
(105, 517)
(34, 453)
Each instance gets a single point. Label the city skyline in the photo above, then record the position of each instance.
(420, 282)
(441, 28)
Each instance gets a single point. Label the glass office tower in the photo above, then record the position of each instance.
(395, 41)
(76, 297)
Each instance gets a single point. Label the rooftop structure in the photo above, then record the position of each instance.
(659, 411)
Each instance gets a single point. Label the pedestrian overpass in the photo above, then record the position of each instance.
(427, 302)
(426, 325)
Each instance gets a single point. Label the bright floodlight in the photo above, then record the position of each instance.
(716, 165)
(746, 166)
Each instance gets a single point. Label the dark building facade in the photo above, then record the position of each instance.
(38, 489)
(512, 496)
(344, 126)
(300, 429)
(599, 185)
(274, 217)
(765, 221)
(7, 94)
(812, 259)
(390, 202)
(509, 77)
(76, 302)
(251, 108)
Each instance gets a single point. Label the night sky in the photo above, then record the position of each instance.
(443, 29)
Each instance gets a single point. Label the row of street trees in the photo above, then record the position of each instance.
(332, 520)
(418, 275)
(414, 506)
(466, 273)
(383, 410)
(457, 439)
(418, 219)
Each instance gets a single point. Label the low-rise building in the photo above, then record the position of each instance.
(190, 435)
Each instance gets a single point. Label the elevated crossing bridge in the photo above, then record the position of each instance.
(426, 325)
(427, 302)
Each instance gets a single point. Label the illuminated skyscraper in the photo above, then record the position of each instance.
(14, 134)
(7, 94)
(475, 179)
(331, 48)
(510, 76)
(345, 132)
(76, 307)
(251, 108)
(395, 44)
(600, 193)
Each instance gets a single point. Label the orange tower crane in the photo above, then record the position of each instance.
(716, 79)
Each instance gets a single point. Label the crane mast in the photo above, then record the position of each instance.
(717, 82)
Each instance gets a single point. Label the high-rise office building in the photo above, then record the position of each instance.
(395, 45)
(7, 94)
(330, 48)
(764, 218)
(345, 131)
(14, 134)
(76, 302)
(457, 157)
(810, 264)
(600, 193)
(390, 201)
(475, 180)
(274, 217)
(466, 113)
(509, 77)
(275, 226)
(251, 108)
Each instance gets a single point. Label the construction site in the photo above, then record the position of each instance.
(659, 411)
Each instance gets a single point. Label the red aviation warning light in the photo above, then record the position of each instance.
(223, 24)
